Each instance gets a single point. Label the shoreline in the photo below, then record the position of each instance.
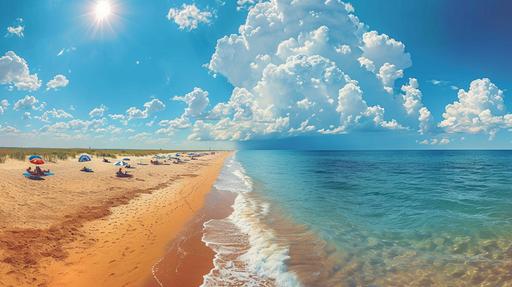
(113, 240)
(188, 258)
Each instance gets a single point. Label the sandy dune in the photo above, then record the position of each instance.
(76, 229)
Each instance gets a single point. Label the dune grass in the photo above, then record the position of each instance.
(55, 154)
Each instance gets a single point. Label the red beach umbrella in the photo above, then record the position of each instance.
(37, 161)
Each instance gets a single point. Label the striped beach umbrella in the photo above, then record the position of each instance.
(37, 161)
(34, 157)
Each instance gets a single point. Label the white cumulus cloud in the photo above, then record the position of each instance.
(3, 106)
(411, 97)
(98, 111)
(197, 101)
(16, 29)
(425, 119)
(59, 81)
(478, 110)
(28, 103)
(155, 105)
(188, 17)
(54, 113)
(8, 129)
(14, 71)
(435, 141)
(289, 64)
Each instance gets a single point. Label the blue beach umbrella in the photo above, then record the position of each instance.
(84, 158)
(126, 159)
(120, 163)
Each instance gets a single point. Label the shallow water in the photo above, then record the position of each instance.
(360, 218)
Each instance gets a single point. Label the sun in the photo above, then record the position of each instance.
(102, 10)
(103, 17)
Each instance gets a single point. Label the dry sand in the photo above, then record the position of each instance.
(83, 229)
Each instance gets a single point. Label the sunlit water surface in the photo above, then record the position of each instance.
(363, 218)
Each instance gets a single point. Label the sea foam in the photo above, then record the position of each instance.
(247, 252)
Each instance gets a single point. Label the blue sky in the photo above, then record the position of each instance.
(302, 74)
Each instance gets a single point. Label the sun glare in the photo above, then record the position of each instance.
(103, 17)
(102, 10)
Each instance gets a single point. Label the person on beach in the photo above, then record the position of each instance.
(38, 171)
(120, 171)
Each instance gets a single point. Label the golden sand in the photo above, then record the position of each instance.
(188, 259)
(84, 229)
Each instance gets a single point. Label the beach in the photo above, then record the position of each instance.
(78, 229)
(263, 218)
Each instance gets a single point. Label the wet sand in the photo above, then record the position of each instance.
(78, 229)
(188, 259)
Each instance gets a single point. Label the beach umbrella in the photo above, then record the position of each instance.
(126, 159)
(34, 157)
(84, 158)
(37, 161)
(120, 163)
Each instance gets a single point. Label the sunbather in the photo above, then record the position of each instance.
(120, 173)
(38, 171)
(86, 169)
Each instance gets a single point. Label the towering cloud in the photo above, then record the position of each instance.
(384, 56)
(478, 110)
(304, 67)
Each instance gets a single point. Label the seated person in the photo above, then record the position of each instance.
(38, 171)
(120, 173)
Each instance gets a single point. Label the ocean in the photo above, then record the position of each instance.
(364, 218)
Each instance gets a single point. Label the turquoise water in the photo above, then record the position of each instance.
(380, 218)
(364, 218)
